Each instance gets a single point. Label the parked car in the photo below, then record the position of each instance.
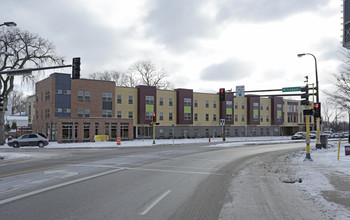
(329, 134)
(313, 134)
(29, 140)
(299, 135)
(338, 135)
(346, 134)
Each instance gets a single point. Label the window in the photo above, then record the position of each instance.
(106, 113)
(86, 131)
(66, 92)
(80, 113)
(207, 117)
(114, 131)
(131, 100)
(80, 95)
(195, 103)
(236, 117)
(66, 110)
(106, 97)
(243, 105)
(229, 117)
(87, 96)
(261, 118)
(87, 113)
(149, 100)
(214, 117)
(229, 104)
(261, 106)
(149, 115)
(267, 107)
(242, 118)
(236, 105)
(267, 118)
(67, 131)
(187, 102)
(130, 115)
(58, 91)
(161, 116)
(119, 114)
(170, 116)
(195, 116)
(96, 128)
(119, 99)
(214, 104)
(161, 101)
(170, 101)
(207, 103)
(58, 110)
(187, 116)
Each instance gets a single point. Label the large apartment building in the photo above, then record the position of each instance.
(78, 109)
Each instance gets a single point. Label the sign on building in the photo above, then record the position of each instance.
(239, 91)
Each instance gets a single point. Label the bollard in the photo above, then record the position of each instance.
(118, 141)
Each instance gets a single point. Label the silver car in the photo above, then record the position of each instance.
(29, 140)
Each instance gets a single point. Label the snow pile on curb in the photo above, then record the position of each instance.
(317, 178)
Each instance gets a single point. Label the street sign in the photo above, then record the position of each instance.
(291, 89)
(222, 122)
(239, 91)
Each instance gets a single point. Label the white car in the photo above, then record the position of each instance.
(29, 140)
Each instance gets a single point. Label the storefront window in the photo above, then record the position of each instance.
(67, 131)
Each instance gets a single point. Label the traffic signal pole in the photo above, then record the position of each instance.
(154, 133)
(307, 140)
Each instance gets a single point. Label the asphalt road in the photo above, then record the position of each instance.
(165, 182)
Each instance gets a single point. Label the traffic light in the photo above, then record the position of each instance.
(317, 110)
(222, 94)
(76, 68)
(154, 118)
(305, 96)
(1, 103)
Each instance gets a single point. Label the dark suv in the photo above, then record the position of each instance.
(29, 140)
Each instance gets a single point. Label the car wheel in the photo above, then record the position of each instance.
(15, 145)
(41, 144)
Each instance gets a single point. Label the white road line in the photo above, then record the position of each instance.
(173, 171)
(155, 202)
(55, 187)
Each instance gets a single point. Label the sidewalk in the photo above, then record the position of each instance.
(326, 181)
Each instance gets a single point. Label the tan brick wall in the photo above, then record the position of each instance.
(166, 108)
(202, 110)
(240, 111)
(125, 107)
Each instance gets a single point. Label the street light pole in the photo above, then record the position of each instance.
(318, 142)
(8, 24)
(317, 88)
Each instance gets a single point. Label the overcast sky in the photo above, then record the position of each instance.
(203, 44)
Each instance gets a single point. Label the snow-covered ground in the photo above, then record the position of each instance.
(325, 179)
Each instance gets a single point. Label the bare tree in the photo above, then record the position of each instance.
(19, 101)
(23, 49)
(149, 74)
(341, 95)
(108, 75)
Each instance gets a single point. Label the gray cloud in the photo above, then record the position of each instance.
(265, 10)
(71, 29)
(228, 70)
(177, 24)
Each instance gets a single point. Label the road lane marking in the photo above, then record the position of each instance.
(31, 171)
(174, 171)
(150, 169)
(55, 187)
(155, 202)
